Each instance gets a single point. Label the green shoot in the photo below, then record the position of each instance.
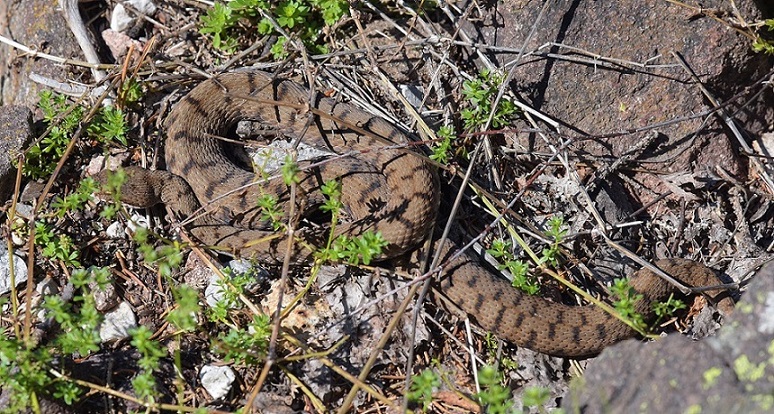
(290, 171)
(501, 250)
(108, 126)
(479, 94)
(550, 254)
(626, 303)
(442, 151)
(234, 285)
(246, 345)
(304, 19)
(271, 212)
(667, 308)
(56, 246)
(422, 387)
(151, 353)
(354, 250)
(183, 317)
(495, 397)
(77, 200)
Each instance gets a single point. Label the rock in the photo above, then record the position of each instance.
(15, 133)
(38, 24)
(217, 380)
(594, 96)
(213, 293)
(121, 20)
(105, 298)
(19, 268)
(729, 373)
(117, 323)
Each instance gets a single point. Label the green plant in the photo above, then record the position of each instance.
(626, 303)
(245, 345)
(290, 171)
(41, 158)
(442, 150)
(495, 397)
(501, 250)
(271, 211)
(79, 329)
(130, 92)
(231, 286)
(144, 383)
(479, 94)
(108, 126)
(63, 118)
(25, 365)
(535, 396)
(760, 44)
(352, 250)
(183, 317)
(422, 387)
(217, 22)
(76, 200)
(167, 257)
(56, 246)
(303, 18)
(112, 187)
(667, 308)
(492, 345)
(550, 254)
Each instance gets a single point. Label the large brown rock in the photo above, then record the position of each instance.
(37, 24)
(593, 97)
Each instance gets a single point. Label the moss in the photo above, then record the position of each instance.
(746, 370)
(710, 377)
(693, 409)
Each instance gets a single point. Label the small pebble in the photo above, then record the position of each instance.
(19, 266)
(217, 380)
(117, 323)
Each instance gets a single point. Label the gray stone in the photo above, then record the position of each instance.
(732, 372)
(105, 298)
(217, 380)
(15, 133)
(40, 25)
(19, 266)
(117, 323)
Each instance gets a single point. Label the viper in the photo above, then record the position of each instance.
(385, 188)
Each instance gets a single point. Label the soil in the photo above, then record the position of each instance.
(648, 123)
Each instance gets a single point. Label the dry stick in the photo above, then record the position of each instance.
(437, 259)
(507, 80)
(729, 122)
(272, 354)
(378, 349)
(380, 345)
(131, 398)
(596, 59)
(73, 17)
(9, 247)
(55, 59)
(495, 176)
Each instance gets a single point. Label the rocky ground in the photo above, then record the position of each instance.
(649, 123)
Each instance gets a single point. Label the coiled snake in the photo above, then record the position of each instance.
(385, 189)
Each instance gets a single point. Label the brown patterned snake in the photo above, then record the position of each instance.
(384, 189)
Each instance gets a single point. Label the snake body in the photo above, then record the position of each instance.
(385, 188)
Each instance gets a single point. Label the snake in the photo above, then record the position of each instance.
(386, 187)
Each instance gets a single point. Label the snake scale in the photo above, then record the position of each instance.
(385, 189)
